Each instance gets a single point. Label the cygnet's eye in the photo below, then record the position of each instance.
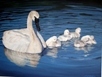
(54, 39)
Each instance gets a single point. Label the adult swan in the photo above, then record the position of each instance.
(25, 40)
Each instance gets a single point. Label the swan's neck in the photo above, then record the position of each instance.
(29, 23)
(30, 29)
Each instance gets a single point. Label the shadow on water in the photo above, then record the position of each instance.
(55, 17)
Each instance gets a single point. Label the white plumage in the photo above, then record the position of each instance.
(65, 37)
(89, 39)
(76, 34)
(79, 44)
(85, 40)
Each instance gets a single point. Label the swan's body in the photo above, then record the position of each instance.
(89, 39)
(76, 34)
(53, 42)
(65, 37)
(25, 40)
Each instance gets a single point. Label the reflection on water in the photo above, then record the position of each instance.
(22, 59)
(52, 52)
(86, 49)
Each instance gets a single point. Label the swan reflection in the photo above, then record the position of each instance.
(22, 59)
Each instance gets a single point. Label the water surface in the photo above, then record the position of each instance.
(66, 61)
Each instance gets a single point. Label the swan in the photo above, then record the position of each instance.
(65, 37)
(76, 34)
(53, 42)
(26, 40)
(89, 39)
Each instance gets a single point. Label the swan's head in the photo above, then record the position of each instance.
(66, 32)
(78, 30)
(34, 15)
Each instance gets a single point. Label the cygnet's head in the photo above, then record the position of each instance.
(54, 38)
(91, 36)
(78, 30)
(93, 40)
(66, 32)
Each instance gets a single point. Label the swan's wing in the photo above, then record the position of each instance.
(41, 39)
(16, 41)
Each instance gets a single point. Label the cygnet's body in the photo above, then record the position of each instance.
(79, 44)
(76, 34)
(53, 42)
(89, 39)
(65, 37)
(85, 40)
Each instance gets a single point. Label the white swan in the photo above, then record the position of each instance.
(65, 37)
(25, 40)
(76, 34)
(53, 42)
(89, 39)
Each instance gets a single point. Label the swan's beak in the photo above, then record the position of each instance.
(37, 24)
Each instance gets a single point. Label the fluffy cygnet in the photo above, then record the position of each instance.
(76, 34)
(65, 37)
(79, 44)
(85, 40)
(89, 39)
(53, 42)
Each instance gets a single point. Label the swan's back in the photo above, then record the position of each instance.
(16, 40)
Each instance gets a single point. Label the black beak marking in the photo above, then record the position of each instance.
(37, 24)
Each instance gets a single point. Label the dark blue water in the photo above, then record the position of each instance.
(66, 61)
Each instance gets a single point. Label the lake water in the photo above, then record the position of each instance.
(66, 61)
